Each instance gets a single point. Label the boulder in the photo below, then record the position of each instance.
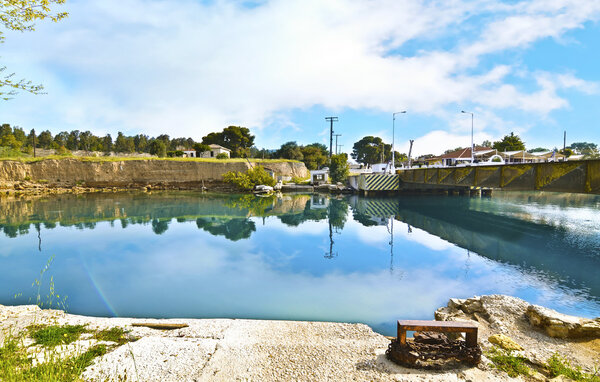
(505, 342)
(560, 325)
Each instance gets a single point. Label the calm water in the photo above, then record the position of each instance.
(300, 257)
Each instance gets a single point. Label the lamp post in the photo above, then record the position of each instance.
(472, 148)
(394, 136)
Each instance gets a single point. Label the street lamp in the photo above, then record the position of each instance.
(394, 135)
(472, 147)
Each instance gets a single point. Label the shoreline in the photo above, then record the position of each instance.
(241, 349)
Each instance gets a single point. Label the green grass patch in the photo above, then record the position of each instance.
(115, 334)
(50, 336)
(511, 364)
(558, 365)
(15, 365)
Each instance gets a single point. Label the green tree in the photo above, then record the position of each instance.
(200, 148)
(107, 143)
(141, 143)
(158, 148)
(124, 144)
(579, 147)
(10, 141)
(369, 150)
(538, 150)
(567, 152)
(338, 168)
(290, 150)
(510, 142)
(314, 155)
(236, 138)
(21, 15)
(45, 139)
(61, 139)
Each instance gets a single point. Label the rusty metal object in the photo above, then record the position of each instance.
(432, 350)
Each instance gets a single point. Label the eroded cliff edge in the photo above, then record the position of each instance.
(131, 173)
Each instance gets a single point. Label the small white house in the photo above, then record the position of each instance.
(319, 176)
(189, 153)
(214, 151)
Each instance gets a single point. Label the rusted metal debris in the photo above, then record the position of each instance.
(432, 351)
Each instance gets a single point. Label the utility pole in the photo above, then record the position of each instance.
(33, 131)
(340, 148)
(565, 142)
(410, 152)
(336, 145)
(331, 121)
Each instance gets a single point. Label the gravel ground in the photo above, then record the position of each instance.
(241, 350)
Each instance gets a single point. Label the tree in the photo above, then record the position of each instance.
(369, 150)
(107, 144)
(158, 148)
(45, 139)
(290, 150)
(315, 155)
(200, 148)
(338, 168)
(567, 152)
(579, 147)
(538, 150)
(510, 142)
(236, 138)
(124, 144)
(21, 15)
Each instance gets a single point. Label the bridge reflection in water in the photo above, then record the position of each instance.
(512, 233)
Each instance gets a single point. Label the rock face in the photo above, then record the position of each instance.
(560, 325)
(133, 172)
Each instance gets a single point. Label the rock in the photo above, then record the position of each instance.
(537, 376)
(560, 325)
(561, 378)
(505, 342)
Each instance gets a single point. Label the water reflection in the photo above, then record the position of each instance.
(310, 257)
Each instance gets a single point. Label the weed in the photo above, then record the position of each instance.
(55, 335)
(115, 334)
(512, 364)
(558, 365)
(15, 365)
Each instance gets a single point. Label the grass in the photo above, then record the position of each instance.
(119, 159)
(558, 365)
(17, 365)
(51, 336)
(505, 361)
(115, 334)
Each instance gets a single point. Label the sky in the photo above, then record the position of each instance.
(279, 67)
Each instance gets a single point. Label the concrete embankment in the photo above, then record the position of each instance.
(256, 350)
(133, 173)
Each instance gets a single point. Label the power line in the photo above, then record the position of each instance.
(336, 145)
(331, 121)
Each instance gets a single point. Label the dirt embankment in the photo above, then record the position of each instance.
(132, 173)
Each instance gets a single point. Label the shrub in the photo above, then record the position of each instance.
(252, 177)
(511, 364)
(339, 169)
(175, 154)
(222, 156)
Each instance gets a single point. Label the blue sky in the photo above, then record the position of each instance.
(279, 67)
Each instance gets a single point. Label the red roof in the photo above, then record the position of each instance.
(462, 153)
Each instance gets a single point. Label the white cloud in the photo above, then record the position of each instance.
(190, 68)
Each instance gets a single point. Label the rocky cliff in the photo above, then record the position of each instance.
(130, 173)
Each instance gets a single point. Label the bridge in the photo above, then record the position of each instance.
(571, 176)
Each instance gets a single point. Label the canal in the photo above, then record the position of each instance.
(298, 257)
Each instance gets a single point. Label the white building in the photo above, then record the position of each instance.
(319, 176)
(212, 153)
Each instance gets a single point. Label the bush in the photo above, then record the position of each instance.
(222, 156)
(339, 169)
(175, 154)
(252, 177)
(62, 150)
